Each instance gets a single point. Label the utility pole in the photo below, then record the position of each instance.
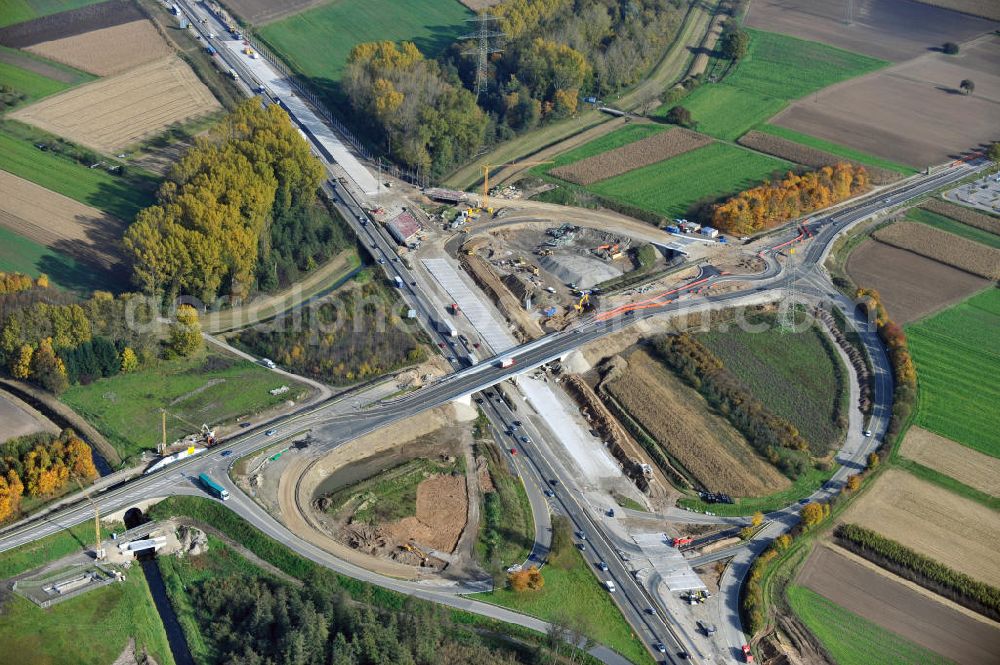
(485, 32)
(98, 550)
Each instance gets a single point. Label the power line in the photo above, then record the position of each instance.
(486, 35)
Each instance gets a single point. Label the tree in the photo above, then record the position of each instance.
(757, 519)
(951, 48)
(968, 86)
(854, 483)
(47, 369)
(873, 460)
(746, 533)
(526, 578)
(185, 332)
(812, 514)
(43, 281)
(679, 115)
(783, 542)
(735, 44)
(21, 367)
(994, 151)
(129, 361)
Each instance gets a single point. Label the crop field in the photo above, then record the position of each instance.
(935, 522)
(791, 373)
(964, 464)
(433, 25)
(107, 51)
(672, 187)
(58, 222)
(961, 253)
(17, 11)
(635, 155)
(949, 225)
(261, 12)
(29, 78)
(64, 18)
(890, 29)
(18, 254)
(110, 114)
(895, 114)
(958, 361)
(857, 156)
(623, 136)
(911, 286)
(968, 216)
(783, 148)
(777, 69)
(984, 8)
(852, 640)
(213, 390)
(707, 446)
(121, 197)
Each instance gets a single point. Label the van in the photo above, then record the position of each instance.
(609, 585)
(268, 363)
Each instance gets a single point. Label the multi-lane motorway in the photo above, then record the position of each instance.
(340, 421)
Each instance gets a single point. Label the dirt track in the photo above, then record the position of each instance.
(107, 51)
(891, 603)
(911, 286)
(113, 113)
(58, 222)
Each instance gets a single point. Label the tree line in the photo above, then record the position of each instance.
(773, 437)
(904, 372)
(41, 465)
(236, 212)
(259, 621)
(772, 203)
(51, 339)
(346, 337)
(555, 53)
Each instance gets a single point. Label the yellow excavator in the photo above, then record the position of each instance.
(584, 302)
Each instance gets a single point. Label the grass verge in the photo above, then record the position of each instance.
(947, 482)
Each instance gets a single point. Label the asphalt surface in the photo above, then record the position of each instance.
(340, 422)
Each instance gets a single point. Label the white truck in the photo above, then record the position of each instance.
(505, 363)
(609, 585)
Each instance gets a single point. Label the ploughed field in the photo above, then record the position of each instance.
(107, 51)
(968, 466)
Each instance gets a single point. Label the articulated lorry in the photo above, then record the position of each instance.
(213, 488)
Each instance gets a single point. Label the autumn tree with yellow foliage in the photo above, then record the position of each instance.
(773, 203)
(41, 465)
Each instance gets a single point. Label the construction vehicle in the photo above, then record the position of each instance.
(583, 303)
(484, 204)
(747, 656)
(677, 542)
(411, 547)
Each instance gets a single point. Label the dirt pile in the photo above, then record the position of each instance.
(442, 506)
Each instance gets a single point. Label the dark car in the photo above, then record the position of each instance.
(479, 400)
(525, 439)
(517, 423)
(554, 482)
(244, 425)
(226, 453)
(601, 566)
(549, 493)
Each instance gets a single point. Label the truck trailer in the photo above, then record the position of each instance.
(213, 488)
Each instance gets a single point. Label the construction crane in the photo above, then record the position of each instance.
(485, 204)
(98, 550)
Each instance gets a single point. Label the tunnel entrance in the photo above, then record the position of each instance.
(134, 517)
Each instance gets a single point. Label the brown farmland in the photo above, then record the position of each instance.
(911, 286)
(956, 531)
(967, 216)
(912, 112)
(985, 8)
(72, 22)
(893, 30)
(112, 113)
(887, 601)
(679, 419)
(61, 223)
(259, 12)
(953, 459)
(107, 51)
(803, 154)
(961, 253)
(629, 157)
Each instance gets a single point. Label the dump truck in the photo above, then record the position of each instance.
(213, 488)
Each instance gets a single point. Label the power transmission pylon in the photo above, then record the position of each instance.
(786, 309)
(485, 32)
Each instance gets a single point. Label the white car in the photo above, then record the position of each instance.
(271, 432)
(868, 432)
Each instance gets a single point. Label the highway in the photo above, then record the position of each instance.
(341, 422)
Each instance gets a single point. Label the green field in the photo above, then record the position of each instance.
(836, 149)
(212, 390)
(776, 70)
(616, 139)
(951, 226)
(853, 640)
(18, 254)
(574, 591)
(958, 362)
(33, 85)
(16, 11)
(671, 187)
(121, 197)
(506, 527)
(791, 373)
(316, 43)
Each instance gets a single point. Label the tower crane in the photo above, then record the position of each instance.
(486, 178)
(98, 550)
